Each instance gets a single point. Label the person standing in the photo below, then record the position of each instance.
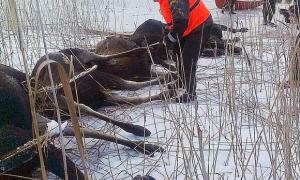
(188, 26)
(268, 12)
(296, 4)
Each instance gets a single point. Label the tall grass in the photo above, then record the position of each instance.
(244, 124)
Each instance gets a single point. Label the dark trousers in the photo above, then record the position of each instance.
(191, 46)
(229, 4)
(297, 7)
(268, 10)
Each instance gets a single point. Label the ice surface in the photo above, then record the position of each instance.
(234, 122)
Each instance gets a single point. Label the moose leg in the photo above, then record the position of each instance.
(117, 99)
(92, 57)
(140, 146)
(234, 50)
(217, 45)
(166, 75)
(108, 81)
(233, 30)
(222, 45)
(145, 177)
(55, 165)
(105, 58)
(133, 85)
(114, 82)
(212, 52)
(168, 66)
(53, 162)
(95, 95)
(24, 170)
(128, 127)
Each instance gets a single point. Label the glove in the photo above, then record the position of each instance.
(170, 42)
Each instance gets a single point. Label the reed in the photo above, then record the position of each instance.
(244, 125)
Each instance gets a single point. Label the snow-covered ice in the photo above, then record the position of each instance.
(234, 123)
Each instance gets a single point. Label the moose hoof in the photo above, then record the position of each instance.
(237, 51)
(244, 30)
(148, 149)
(139, 131)
(146, 177)
(236, 39)
(234, 50)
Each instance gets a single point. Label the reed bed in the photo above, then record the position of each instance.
(244, 125)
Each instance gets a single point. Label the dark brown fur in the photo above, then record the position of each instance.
(16, 131)
(93, 90)
(135, 66)
(152, 31)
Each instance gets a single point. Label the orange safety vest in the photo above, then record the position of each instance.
(198, 14)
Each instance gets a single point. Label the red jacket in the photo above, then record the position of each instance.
(195, 12)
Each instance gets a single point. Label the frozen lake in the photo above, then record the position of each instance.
(241, 127)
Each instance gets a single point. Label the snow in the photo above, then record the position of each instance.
(233, 121)
(53, 128)
(236, 138)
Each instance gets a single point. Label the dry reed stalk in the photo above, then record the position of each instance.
(53, 92)
(18, 30)
(244, 135)
(71, 107)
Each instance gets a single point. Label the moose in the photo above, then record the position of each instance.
(93, 90)
(151, 33)
(117, 63)
(16, 127)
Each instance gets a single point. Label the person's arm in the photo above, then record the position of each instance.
(180, 12)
